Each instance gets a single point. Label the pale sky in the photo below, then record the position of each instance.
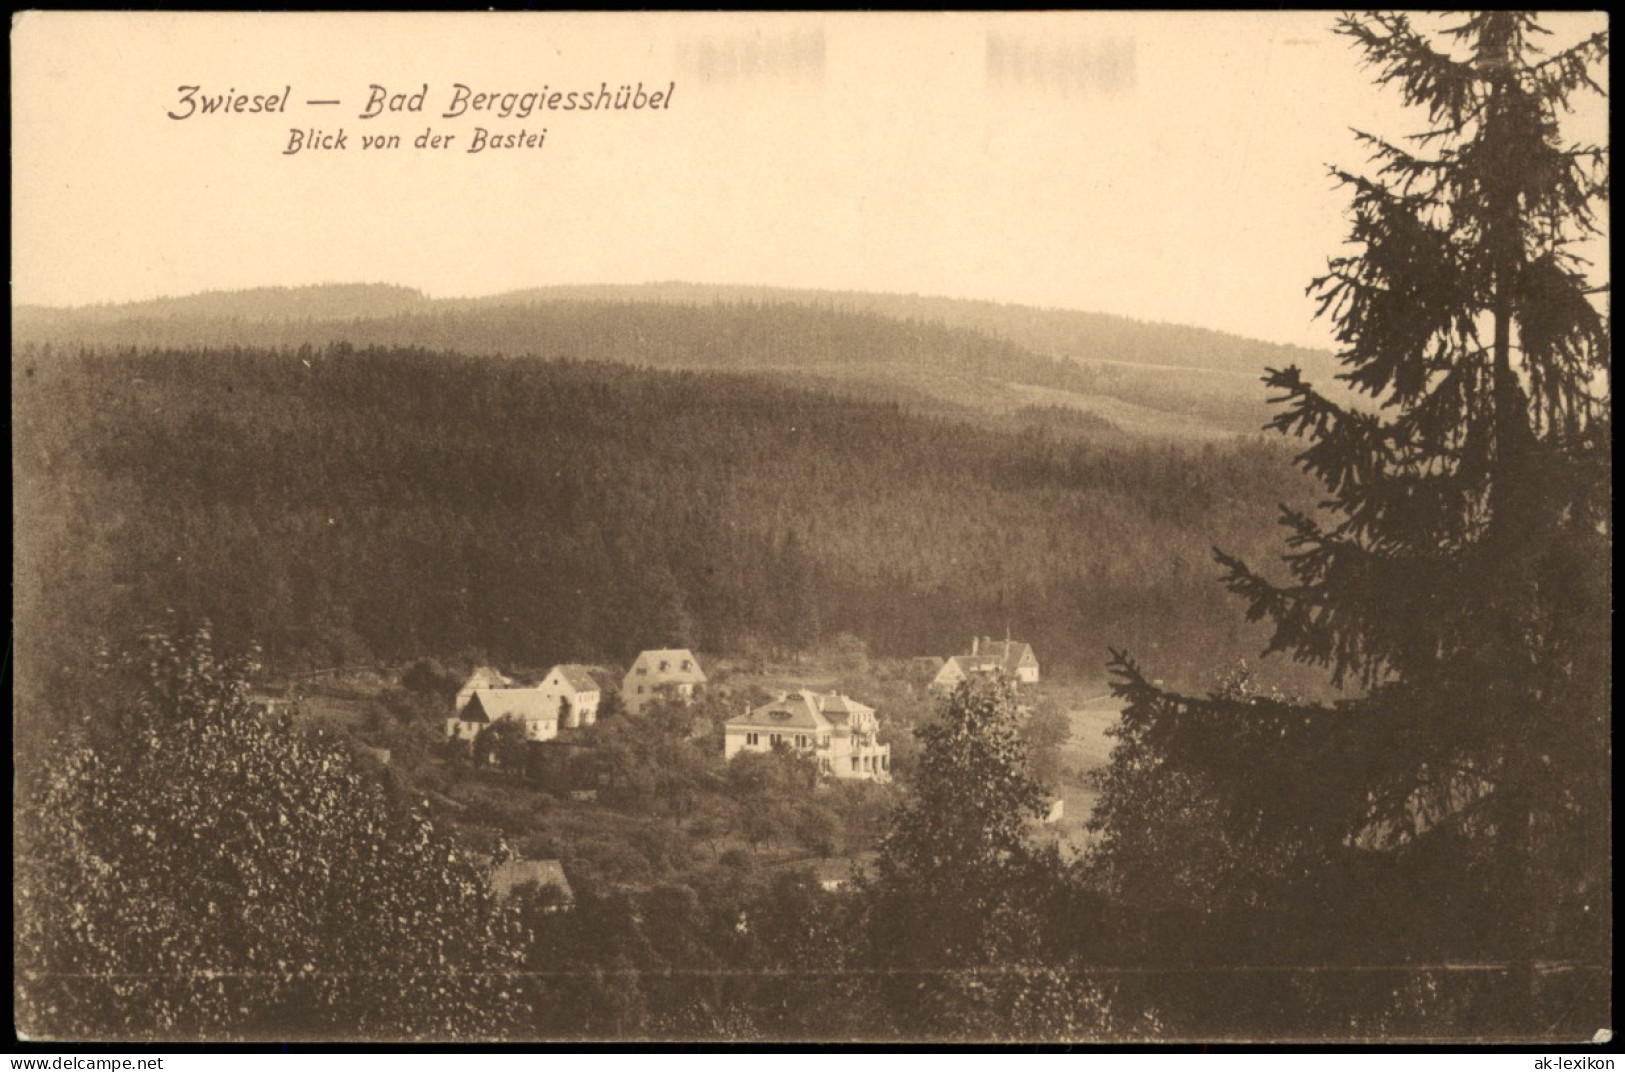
(1163, 166)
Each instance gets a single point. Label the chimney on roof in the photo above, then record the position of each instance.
(975, 644)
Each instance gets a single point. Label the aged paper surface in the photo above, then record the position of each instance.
(1096, 161)
(1163, 167)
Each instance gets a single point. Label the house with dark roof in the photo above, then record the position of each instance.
(842, 734)
(537, 710)
(1012, 658)
(506, 878)
(466, 722)
(658, 672)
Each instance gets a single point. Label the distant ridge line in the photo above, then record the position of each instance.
(674, 292)
(1069, 334)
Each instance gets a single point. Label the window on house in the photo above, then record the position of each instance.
(664, 666)
(774, 738)
(686, 664)
(854, 762)
(752, 738)
(642, 670)
(640, 690)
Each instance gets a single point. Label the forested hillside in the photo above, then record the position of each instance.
(1068, 333)
(328, 301)
(343, 504)
(1159, 379)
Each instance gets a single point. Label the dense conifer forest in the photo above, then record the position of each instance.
(344, 504)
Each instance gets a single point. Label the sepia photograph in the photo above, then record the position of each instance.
(811, 529)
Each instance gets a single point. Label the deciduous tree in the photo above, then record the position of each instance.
(210, 874)
(503, 742)
(956, 868)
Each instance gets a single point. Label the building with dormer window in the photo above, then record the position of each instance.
(842, 734)
(663, 671)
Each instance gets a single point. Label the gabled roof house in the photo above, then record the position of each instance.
(661, 671)
(987, 656)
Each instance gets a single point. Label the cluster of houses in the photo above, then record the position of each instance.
(842, 734)
(568, 697)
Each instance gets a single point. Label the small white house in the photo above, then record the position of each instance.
(664, 671)
(484, 677)
(537, 710)
(575, 693)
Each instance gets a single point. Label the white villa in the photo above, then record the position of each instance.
(842, 734)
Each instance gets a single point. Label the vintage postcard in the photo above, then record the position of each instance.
(811, 527)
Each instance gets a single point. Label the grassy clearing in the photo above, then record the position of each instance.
(1092, 711)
